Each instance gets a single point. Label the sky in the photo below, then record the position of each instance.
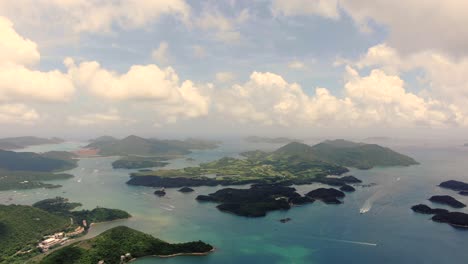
(173, 68)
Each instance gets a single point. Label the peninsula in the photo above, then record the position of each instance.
(149, 147)
(121, 245)
(23, 142)
(27, 170)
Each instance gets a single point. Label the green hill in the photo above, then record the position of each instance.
(134, 145)
(22, 142)
(360, 155)
(29, 161)
(22, 227)
(27, 170)
(346, 153)
(118, 241)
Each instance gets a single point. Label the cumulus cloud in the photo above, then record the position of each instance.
(161, 54)
(416, 25)
(378, 98)
(17, 80)
(442, 75)
(18, 114)
(93, 16)
(413, 25)
(148, 83)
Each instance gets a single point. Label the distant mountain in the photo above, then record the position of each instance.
(22, 142)
(103, 139)
(346, 153)
(134, 145)
(277, 140)
(296, 149)
(29, 161)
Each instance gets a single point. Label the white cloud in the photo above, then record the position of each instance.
(413, 25)
(443, 76)
(17, 81)
(17, 114)
(161, 54)
(416, 25)
(224, 29)
(14, 48)
(296, 65)
(224, 77)
(93, 16)
(377, 99)
(110, 117)
(326, 8)
(149, 83)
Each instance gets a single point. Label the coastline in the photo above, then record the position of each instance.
(178, 254)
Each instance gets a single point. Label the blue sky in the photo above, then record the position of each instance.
(274, 67)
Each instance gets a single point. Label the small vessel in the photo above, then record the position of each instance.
(364, 210)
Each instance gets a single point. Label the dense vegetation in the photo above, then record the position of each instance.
(21, 227)
(27, 170)
(447, 200)
(359, 155)
(28, 161)
(255, 201)
(62, 206)
(118, 241)
(295, 163)
(138, 146)
(135, 162)
(22, 142)
(17, 180)
(455, 219)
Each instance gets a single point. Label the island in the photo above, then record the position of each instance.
(121, 245)
(424, 209)
(27, 170)
(147, 147)
(135, 162)
(454, 185)
(12, 143)
(160, 193)
(26, 231)
(347, 188)
(455, 219)
(447, 200)
(329, 196)
(255, 201)
(294, 163)
(186, 190)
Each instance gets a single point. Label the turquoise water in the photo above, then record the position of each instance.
(389, 233)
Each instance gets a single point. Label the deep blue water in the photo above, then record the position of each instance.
(389, 233)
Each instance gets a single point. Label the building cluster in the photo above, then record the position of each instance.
(51, 241)
(59, 238)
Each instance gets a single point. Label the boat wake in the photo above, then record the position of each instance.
(167, 209)
(361, 243)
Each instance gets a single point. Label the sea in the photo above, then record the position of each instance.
(389, 231)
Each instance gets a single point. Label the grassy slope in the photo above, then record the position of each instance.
(21, 227)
